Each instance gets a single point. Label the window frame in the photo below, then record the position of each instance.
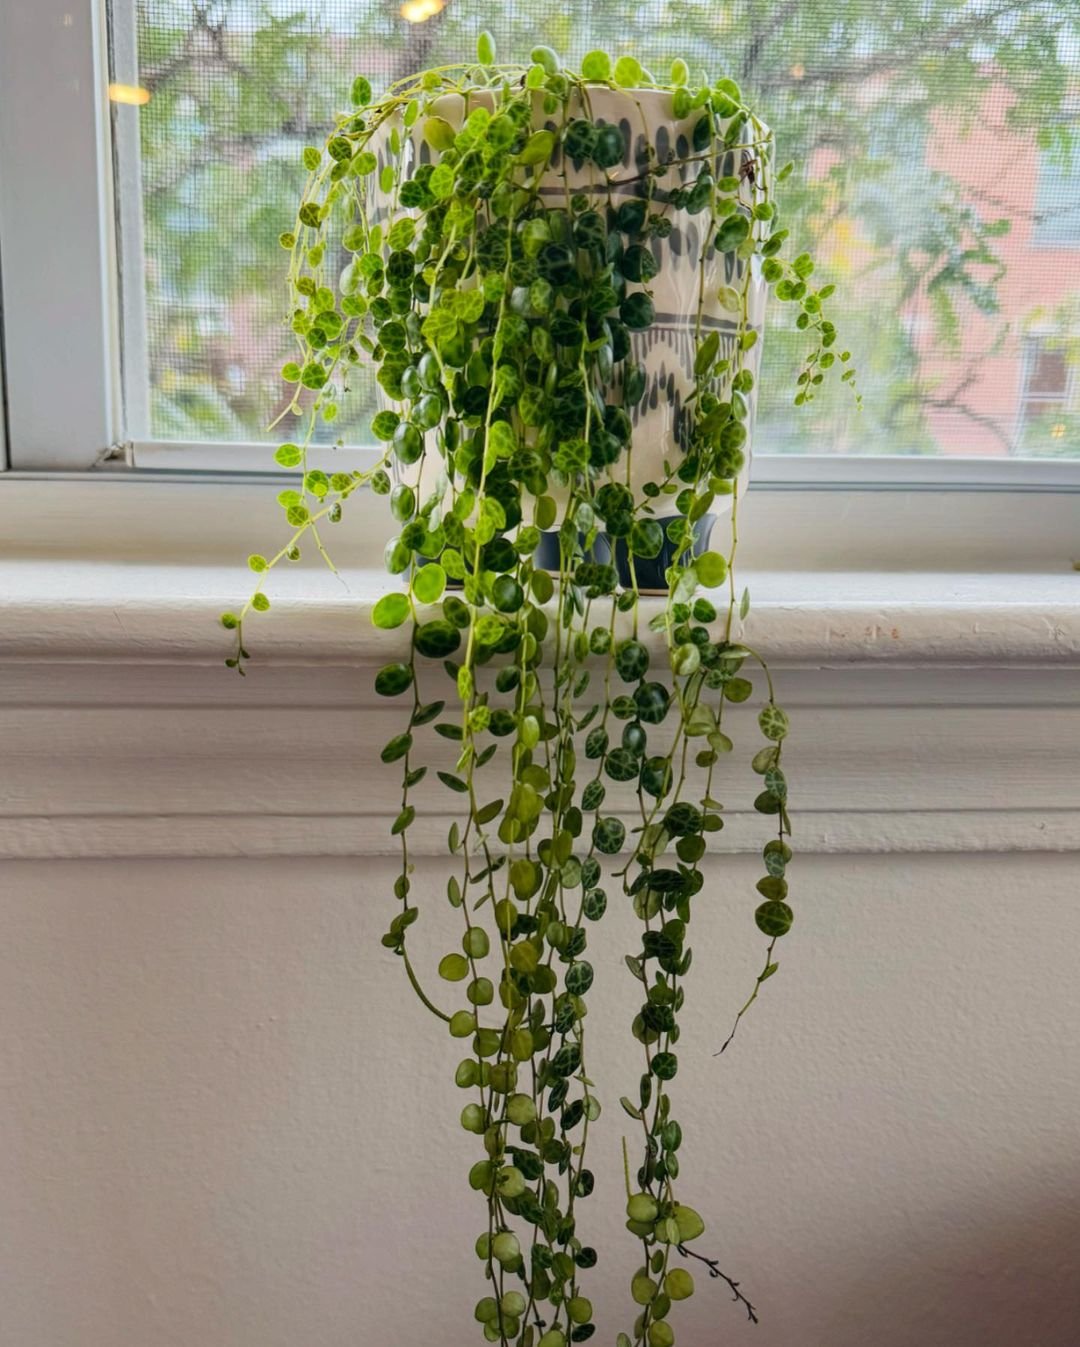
(55, 67)
(54, 115)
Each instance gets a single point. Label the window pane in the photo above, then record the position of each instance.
(940, 191)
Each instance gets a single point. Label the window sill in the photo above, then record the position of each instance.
(53, 608)
(113, 568)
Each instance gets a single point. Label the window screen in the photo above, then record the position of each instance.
(939, 189)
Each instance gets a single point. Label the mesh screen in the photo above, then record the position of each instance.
(940, 191)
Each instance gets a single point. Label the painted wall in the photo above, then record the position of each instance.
(219, 1108)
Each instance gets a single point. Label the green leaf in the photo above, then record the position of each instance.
(701, 720)
(396, 748)
(429, 583)
(738, 689)
(538, 148)
(711, 569)
(393, 679)
(773, 722)
(744, 604)
(289, 455)
(685, 659)
(390, 611)
(489, 811)
(403, 820)
(764, 758)
(424, 714)
(439, 134)
(628, 72)
(596, 65)
(774, 919)
(630, 1108)
(454, 782)
(453, 967)
(485, 48)
(706, 352)
(689, 1222)
(733, 231)
(548, 63)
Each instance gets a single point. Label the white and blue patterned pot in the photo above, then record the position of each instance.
(667, 348)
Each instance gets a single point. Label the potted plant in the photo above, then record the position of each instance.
(559, 278)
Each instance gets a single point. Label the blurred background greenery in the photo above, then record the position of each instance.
(939, 187)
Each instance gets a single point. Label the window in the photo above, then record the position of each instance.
(1049, 407)
(926, 197)
(1057, 197)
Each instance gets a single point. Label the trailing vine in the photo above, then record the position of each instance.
(493, 246)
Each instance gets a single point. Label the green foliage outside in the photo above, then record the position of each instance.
(859, 86)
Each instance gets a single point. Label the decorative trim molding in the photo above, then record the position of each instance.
(174, 757)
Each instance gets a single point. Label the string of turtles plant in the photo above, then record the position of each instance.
(500, 322)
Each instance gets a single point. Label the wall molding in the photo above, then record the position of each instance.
(176, 758)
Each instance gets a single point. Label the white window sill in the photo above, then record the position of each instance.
(56, 608)
(111, 568)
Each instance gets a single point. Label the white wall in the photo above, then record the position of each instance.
(223, 1117)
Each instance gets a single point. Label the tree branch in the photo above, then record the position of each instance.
(899, 56)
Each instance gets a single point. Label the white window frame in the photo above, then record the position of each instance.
(57, 244)
(63, 318)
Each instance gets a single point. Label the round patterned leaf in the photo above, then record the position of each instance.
(596, 65)
(646, 538)
(774, 722)
(774, 918)
(393, 679)
(609, 834)
(637, 311)
(506, 594)
(579, 978)
(665, 1065)
(438, 639)
(596, 742)
(631, 661)
(621, 765)
(628, 72)
(390, 611)
(651, 701)
(429, 582)
(656, 777)
(565, 1062)
(732, 231)
(595, 904)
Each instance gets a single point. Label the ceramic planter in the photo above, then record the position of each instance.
(685, 290)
